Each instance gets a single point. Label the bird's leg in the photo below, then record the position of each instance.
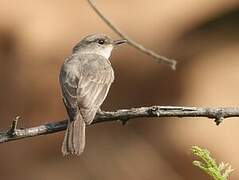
(99, 111)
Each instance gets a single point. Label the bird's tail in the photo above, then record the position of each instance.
(74, 141)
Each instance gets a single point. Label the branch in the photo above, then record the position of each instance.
(161, 59)
(124, 115)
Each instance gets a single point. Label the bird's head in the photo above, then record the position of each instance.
(98, 44)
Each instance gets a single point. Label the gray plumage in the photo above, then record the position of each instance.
(85, 79)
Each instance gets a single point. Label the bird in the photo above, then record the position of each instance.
(85, 78)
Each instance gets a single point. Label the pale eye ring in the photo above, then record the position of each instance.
(101, 41)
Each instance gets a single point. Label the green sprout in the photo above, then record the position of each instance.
(209, 165)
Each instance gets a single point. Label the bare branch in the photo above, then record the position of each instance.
(218, 114)
(12, 130)
(172, 63)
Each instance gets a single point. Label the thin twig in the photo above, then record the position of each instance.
(13, 128)
(124, 115)
(172, 63)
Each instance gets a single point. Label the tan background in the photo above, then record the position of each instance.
(36, 36)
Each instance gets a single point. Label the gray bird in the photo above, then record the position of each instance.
(85, 79)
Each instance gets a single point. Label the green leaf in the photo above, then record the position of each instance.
(209, 165)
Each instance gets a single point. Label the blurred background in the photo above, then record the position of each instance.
(36, 37)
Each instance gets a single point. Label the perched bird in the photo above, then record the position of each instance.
(85, 79)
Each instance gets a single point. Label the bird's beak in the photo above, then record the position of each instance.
(120, 41)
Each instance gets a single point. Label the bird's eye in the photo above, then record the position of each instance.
(101, 41)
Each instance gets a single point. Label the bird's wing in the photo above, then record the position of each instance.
(69, 84)
(94, 83)
(86, 87)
